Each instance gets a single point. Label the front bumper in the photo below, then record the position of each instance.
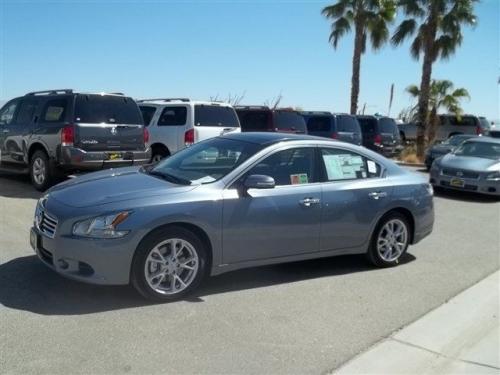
(104, 262)
(479, 185)
(73, 158)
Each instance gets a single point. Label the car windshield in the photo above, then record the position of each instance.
(205, 162)
(456, 140)
(479, 149)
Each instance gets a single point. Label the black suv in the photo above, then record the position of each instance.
(47, 133)
(380, 134)
(339, 126)
(264, 119)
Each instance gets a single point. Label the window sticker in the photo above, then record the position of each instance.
(372, 167)
(344, 166)
(297, 179)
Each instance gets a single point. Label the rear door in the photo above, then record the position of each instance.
(212, 120)
(289, 122)
(320, 125)
(108, 123)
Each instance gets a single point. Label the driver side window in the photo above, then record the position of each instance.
(7, 112)
(289, 167)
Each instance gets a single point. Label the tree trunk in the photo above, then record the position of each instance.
(433, 124)
(356, 65)
(423, 104)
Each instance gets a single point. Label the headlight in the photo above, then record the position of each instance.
(101, 226)
(435, 166)
(495, 176)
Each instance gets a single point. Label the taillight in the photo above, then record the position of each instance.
(479, 131)
(145, 133)
(378, 139)
(334, 135)
(68, 135)
(189, 137)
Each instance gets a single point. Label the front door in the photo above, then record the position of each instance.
(278, 222)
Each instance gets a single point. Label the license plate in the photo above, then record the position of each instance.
(34, 240)
(114, 156)
(457, 182)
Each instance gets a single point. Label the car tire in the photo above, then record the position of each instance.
(40, 170)
(159, 154)
(385, 249)
(160, 275)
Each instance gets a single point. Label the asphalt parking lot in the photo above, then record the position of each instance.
(306, 317)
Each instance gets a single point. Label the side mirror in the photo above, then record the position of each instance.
(259, 181)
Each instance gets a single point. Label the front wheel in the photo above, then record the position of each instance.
(390, 240)
(169, 264)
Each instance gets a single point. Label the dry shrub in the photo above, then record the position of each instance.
(409, 154)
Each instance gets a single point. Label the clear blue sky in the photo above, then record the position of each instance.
(204, 48)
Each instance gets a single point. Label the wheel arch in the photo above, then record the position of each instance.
(158, 146)
(35, 147)
(402, 211)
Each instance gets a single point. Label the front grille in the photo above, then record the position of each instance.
(460, 173)
(46, 223)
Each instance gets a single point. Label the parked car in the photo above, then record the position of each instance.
(472, 166)
(175, 123)
(262, 118)
(46, 133)
(440, 149)
(230, 202)
(449, 125)
(380, 134)
(339, 126)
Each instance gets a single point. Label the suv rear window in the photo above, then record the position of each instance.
(254, 120)
(319, 124)
(387, 125)
(214, 115)
(288, 120)
(368, 125)
(347, 124)
(96, 109)
(147, 114)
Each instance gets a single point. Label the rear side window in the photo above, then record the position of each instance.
(285, 120)
(254, 120)
(171, 116)
(462, 121)
(388, 125)
(109, 109)
(147, 114)
(348, 124)
(347, 165)
(368, 125)
(26, 111)
(214, 115)
(55, 110)
(319, 124)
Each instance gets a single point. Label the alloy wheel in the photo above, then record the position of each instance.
(39, 170)
(392, 240)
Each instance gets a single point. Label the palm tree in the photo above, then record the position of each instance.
(437, 29)
(442, 95)
(367, 18)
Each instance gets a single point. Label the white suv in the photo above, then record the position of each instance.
(175, 123)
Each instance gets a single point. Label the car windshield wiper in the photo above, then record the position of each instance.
(170, 177)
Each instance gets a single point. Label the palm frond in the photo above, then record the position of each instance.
(446, 45)
(404, 30)
(412, 8)
(339, 28)
(336, 10)
(461, 93)
(413, 90)
(379, 33)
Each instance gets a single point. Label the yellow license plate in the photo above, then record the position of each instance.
(457, 182)
(114, 156)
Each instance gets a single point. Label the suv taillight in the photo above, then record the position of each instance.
(68, 135)
(189, 137)
(334, 135)
(378, 139)
(145, 133)
(479, 131)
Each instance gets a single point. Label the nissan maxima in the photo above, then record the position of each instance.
(474, 166)
(234, 201)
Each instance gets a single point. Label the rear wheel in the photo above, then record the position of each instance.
(169, 264)
(158, 154)
(40, 170)
(389, 241)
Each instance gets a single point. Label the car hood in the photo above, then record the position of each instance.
(469, 163)
(441, 149)
(111, 186)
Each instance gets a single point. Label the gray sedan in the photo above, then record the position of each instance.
(235, 201)
(473, 166)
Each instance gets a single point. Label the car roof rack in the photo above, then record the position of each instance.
(251, 107)
(50, 92)
(165, 100)
(316, 112)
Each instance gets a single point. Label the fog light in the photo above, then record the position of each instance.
(63, 264)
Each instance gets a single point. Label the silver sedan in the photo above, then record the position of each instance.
(235, 201)
(474, 166)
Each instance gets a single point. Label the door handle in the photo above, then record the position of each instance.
(308, 202)
(377, 194)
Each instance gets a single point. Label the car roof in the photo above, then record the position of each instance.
(266, 138)
(176, 102)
